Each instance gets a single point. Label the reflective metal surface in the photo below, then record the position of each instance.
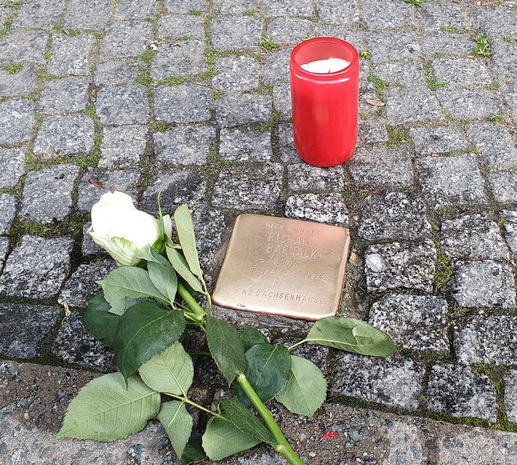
(284, 267)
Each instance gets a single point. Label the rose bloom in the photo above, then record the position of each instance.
(121, 229)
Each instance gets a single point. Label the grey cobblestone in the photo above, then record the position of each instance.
(503, 187)
(389, 14)
(245, 145)
(509, 92)
(303, 177)
(494, 144)
(240, 109)
(413, 322)
(186, 103)
(287, 8)
(8, 209)
(126, 39)
(371, 379)
(510, 228)
(338, 12)
(323, 208)
(433, 140)
(185, 58)
(25, 47)
(88, 14)
(36, 268)
(236, 74)
(441, 15)
(136, 9)
(47, 196)
(4, 244)
(110, 73)
(12, 162)
(510, 401)
(400, 265)
(370, 132)
(397, 215)
(68, 95)
(470, 104)
(236, 33)
(498, 24)
(179, 26)
(461, 392)
(185, 6)
(276, 68)
(40, 15)
(285, 31)
(122, 146)
(18, 84)
(122, 105)
(70, 55)
(16, 120)
(484, 284)
(411, 105)
(461, 72)
(486, 339)
(388, 46)
(407, 73)
(446, 43)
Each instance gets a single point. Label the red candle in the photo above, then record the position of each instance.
(325, 95)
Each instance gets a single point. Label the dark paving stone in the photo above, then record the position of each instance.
(382, 168)
(304, 177)
(451, 181)
(395, 216)
(445, 43)
(186, 103)
(185, 58)
(185, 6)
(504, 187)
(285, 31)
(469, 104)
(253, 188)
(23, 327)
(16, 120)
(287, 7)
(371, 132)
(123, 146)
(226, 7)
(441, 15)
(241, 109)
(431, 140)
(389, 14)
(136, 9)
(12, 162)
(322, 208)
(461, 72)
(509, 93)
(236, 74)
(510, 399)
(18, 84)
(461, 392)
(184, 145)
(68, 95)
(406, 73)
(97, 182)
(70, 55)
(4, 245)
(276, 68)
(483, 284)
(236, 33)
(411, 105)
(88, 14)
(242, 144)
(126, 39)
(111, 73)
(8, 209)
(67, 135)
(498, 23)
(47, 196)
(282, 99)
(338, 11)
(393, 381)
(473, 237)
(389, 46)
(122, 105)
(510, 229)
(414, 322)
(36, 268)
(39, 15)
(24, 47)
(180, 26)
(486, 339)
(400, 265)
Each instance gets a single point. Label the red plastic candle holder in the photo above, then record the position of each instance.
(325, 105)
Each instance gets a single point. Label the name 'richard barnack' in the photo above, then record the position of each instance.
(294, 246)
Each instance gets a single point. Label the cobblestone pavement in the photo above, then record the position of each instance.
(192, 98)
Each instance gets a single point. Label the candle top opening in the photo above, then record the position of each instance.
(330, 65)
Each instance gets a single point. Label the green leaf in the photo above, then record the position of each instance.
(268, 370)
(99, 321)
(351, 335)
(144, 331)
(181, 267)
(104, 410)
(222, 439)
(187, 239)
(193, 450)
(128, 282)
(306, 389)
(226, 347)
(245, 421)
(251, 336)
(164, 278)
(170, 372)
(177, 423)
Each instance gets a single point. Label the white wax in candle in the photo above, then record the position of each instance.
(330, 65)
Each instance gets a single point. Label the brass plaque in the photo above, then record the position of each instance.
(283, 267)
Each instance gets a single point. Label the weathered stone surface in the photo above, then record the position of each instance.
(17, 84)
(472, 237)
(36, 268)
(503, 187)
(39, 15)
(97, 182)
(461, 72)
(136, 9)
(303, 177)
(256, 188)
(126, 39)
(372, 379)
(484, 284)
(411, 105)
(285, 30)
(276, 68)
(282, 99)
(407, 73)
(242, 144)
(23, 327)
(397, 215)
(122, 105)
(12, 162)
(497, 23)
(510, 228)
(64, 135)
(236, 33)
(451, 181)
(441, 15)
(431, 140)
(486, 339)
(236, 74)
(287, 7)
(469, 104)
(461, 392)
(4, 245)
(338, 12)
(184, 58)
(111, 73)
(382, 168)
(240, 109)
(400, 265)
(390, 14)
(414, 322)
(70, 55)
(186, 103)
(180, 26)
(510, 399)
(372, 131)
(389, 45)
(323, 208)
(495, 145)
(16, 121)
(47, 196)
(440, 42)
(87, 14)
(184, 145)
(24, 46)
(122, 146)
(68, 95)
(8, 209)
(185, 6)
(83, 283)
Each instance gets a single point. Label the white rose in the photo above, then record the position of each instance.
(120, 229)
